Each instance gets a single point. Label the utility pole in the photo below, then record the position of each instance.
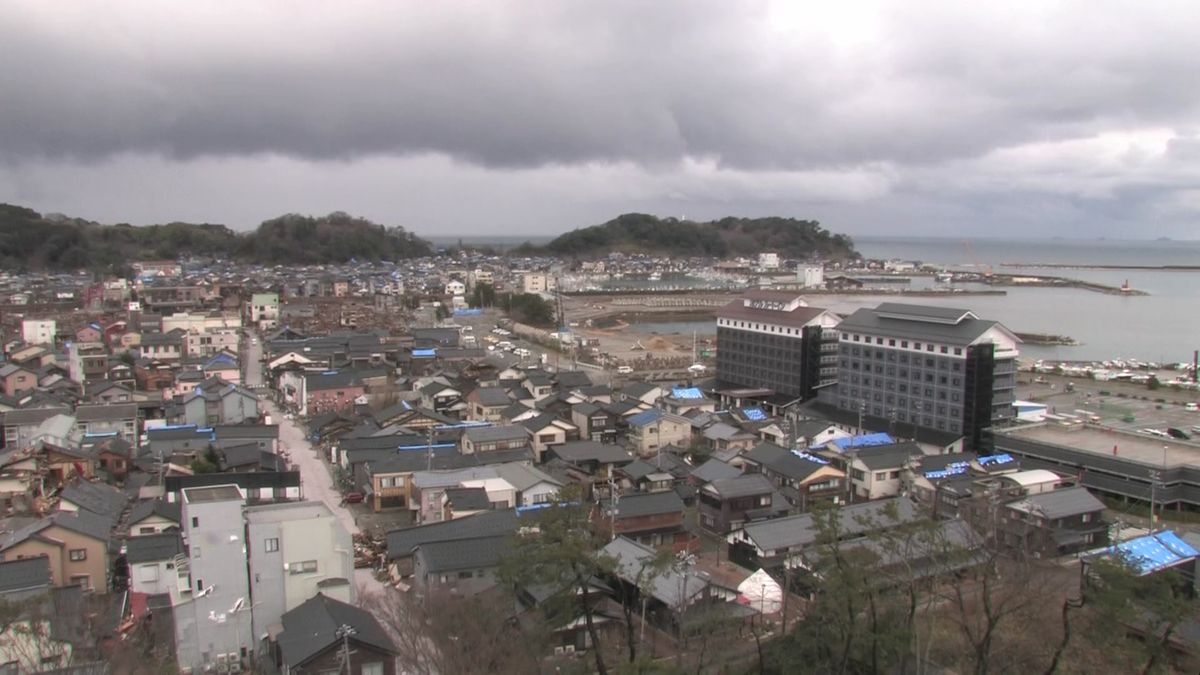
(344, 632)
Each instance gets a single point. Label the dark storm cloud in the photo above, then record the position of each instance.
(531, 84)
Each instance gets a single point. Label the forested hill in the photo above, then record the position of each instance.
(31, 241)
(642, 233)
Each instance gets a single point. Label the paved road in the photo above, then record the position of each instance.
(314, 472)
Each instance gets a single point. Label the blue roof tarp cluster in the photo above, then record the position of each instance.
(952, 469)
(863, 441)
(686, 392)
(754, 414)
(428, 353)
(1002, 458)
(1156, 551)
(810, 457)
(468, 312)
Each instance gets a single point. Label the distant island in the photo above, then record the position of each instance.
(643, 233)
(31, 241)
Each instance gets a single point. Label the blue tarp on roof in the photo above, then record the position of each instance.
(468, 312)
(646, 417)
(810, 457)
(754, 414)
(430, 353)
(1002, 458)
(1157, 551)
(863, 441)
(687, 392)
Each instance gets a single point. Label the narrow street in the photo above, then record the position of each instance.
(315, 478)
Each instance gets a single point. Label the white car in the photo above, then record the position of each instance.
(624, 370)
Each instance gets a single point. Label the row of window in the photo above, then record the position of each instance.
(904, 344)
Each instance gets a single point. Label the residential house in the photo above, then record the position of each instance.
(215, 401)
(295, 551)
(727, 503)
(441, 397)
(488, 403)
(462, 567)
(16, 379)
(801, 477)
(315, 636)
(594, 422)
(153, 516)
(402, 543)
(1054, 523)
(460, 502)
(772, 543)
(152, 560)
(21, 426)
(330, 390)
(24, 578)
(651, 518)
(875, 472)
(547, 431)
(642, 392)
(488, 439)
(162, 346)
(115, 419)
(75, 543)
(654, 429)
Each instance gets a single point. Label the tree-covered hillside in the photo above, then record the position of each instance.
(31, 241)
(642, 233)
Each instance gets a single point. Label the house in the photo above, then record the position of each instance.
(152, 561)
(488, 403)
(103, 500)
(654, 429)
(720, 437)
(727, 503)
(460, 502)
(314, 639)
(488, 439)
(594, 422)
(387, 479)
(99, 420)
(295, 551)
(403, 543)
(1054, 523)
(330, 390)
(24, 578)
(162, 346)
(153, 516)
(801, 477)
(215, 401)
(596, 459)
(441, 397)
(21, 425)
(652, 519)
(875, 472)
(15, 379)
(114, 455)
(772, 543)
(548, 430)
(673, 594)
(642, 392)
(76, 544)
(463, 566)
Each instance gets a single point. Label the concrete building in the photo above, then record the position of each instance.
(537, 282)
(811, 276)
(296, 550)
(39, 331)
(262, 311)
(932, 368)
(775, 340)
(213, 620)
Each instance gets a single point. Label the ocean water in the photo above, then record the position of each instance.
(1163, 326)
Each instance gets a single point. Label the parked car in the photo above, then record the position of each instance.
(624, 370)
(352, 498)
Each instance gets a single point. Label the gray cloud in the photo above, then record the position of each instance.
(848, 110)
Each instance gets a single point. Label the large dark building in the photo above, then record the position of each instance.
(934, 368)
(774, 340)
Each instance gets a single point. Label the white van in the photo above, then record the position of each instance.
(624, 370)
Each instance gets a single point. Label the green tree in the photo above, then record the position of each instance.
(483, 295)
(560, 548)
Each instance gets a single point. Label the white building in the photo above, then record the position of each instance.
(296, 550)
(537, 282)
(768, 261)
(39, 331)
(455, 287)
(812, 276)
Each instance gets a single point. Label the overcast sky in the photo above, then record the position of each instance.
(513, 118)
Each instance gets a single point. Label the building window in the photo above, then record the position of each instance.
(195, 521)
(303, 567)
(78, 554)
(271, 545)
(195, 551)
(146, 530)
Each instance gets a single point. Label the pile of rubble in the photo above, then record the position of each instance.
(369, 552)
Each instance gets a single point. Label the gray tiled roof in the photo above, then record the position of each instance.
(156, 507)
(892, 456)
(499, 433)
(24, 574)
(741, 486)
(97, 498)
(649, 504)
(1060, 503)
(467, 498)
(312, 628)
(153, 547)
(591, 451)
(801, 530)
(402, 542)
(106, 412)
(714, 469)
(464, 554)
(920, 323)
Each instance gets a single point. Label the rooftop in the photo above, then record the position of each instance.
(1146, 449)
(216, 493)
